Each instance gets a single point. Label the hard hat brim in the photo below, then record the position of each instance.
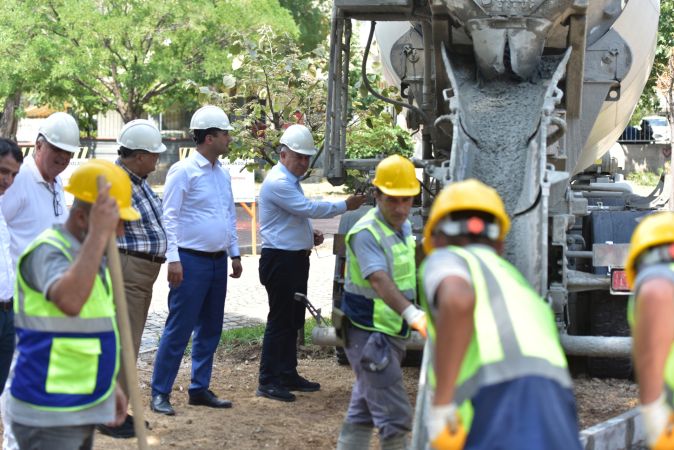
(304, 152)
(61, 146)
(400, 192)
(129, 214)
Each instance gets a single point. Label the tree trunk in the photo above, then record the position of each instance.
(8, 121)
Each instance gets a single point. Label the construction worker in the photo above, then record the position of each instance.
(65, 375)
(650, 275)
(498, 371)
(142, 249)
(36, 199)
(379, 294)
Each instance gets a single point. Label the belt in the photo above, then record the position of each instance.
(7, 305)
(291, 252)
(145, 256)
(211, 255)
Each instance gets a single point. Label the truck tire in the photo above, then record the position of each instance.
(608, 317)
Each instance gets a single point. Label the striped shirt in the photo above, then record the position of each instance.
(146, 235)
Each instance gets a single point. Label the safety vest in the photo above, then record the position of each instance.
(401, 267)
(669, 364)
(64, 363)
(514, 331)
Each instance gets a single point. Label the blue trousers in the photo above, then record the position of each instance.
(529, 413)
(196, 305)
(7, 341)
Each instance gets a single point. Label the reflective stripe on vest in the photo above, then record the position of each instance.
(514, 335)
(64, 363)
(401, 268)
(668, 376)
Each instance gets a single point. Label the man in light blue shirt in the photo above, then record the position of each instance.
(287, 239)
(200, 222)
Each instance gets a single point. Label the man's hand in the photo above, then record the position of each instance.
(237, 268)
(104, 215)
(175, 274)
(318, 237)
(659, 422)
(121, 406)
(445, 430)
(355, 201)
(416, 319)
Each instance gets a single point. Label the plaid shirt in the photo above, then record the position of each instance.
(146, 235)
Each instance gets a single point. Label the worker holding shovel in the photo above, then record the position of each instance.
(65, 375)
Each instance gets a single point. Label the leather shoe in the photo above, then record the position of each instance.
(160, 404)
(299, 383)
(208, 398)
(124, 431)
(275, 392)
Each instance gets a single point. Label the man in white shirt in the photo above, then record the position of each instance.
(36, 200)
(200, 223)
(10, 162)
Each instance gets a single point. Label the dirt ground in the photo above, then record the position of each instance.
(313, 420)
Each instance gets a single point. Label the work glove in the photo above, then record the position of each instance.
(659, 424)
(445, 430)
(416, 319)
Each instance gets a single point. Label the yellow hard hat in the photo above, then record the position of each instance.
(395, 176)
(469, 195)
(654, 230)
(83, 185)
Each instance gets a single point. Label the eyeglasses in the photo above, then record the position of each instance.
(56, 201)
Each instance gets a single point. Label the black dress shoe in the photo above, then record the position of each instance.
(299, 383)
(208, 398)
(275, 392)
(124, 431)
(160, 404)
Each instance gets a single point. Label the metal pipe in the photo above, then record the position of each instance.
(603, 187)
(327, 337)
(578, 281)
(597, 346)
(579, 254)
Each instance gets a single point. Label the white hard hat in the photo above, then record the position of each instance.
(298, 139)
(141, 134)
(210, 116)
(61, 131)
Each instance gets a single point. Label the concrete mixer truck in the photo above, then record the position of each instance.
(527, 96)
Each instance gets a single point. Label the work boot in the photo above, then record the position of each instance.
(397, 442)
(354, 436)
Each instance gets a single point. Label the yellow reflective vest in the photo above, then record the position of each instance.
(514, 330)
(64, 363)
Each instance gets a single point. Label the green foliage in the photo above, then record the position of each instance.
(241, 337)
(134, 56)
(645, 178)
(313, 20)
(648, 102)
(252, 335)
(271, 83)
(376, 136)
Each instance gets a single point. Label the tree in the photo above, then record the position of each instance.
(313, 20)
(273, 84)
(137, 56)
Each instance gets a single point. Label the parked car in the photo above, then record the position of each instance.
(656, 128)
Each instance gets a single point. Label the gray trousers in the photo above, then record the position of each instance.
(54, 438)
(378, 397)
